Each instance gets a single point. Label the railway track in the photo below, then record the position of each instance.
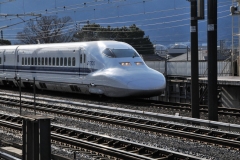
(161, 104)
(179, 130)
(103, 145)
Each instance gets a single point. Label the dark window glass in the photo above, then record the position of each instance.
(25, 60)
(32, 62)
(39, 61)
(53, 61)
(0, 60)
(69, 61)
(42, 61)
(108, 53)
(46, 61)
(36, 61)
(61, 61)
(29, 61)
(50, 62)
(84, 59)
(65, 61)
(73, 61)
(120, 53)
(81, 58)
(57, 61)
(22, 61)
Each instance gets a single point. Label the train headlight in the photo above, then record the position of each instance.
(125, 63)
(138, 63)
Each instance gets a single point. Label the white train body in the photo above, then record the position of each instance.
(108, 68)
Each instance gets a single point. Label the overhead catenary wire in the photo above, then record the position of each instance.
(73, 23)
(146, 25)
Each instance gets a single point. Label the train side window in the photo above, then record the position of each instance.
(32, 62)
(35, 60)
(42, 61)
(22, 61)
(50, 62)
(46, 61)
(81, 58)
(53, 61)
(61, 61)
(65, 61)
(29, 61)
(0, 60)
(39, 61)
(57, 61)
(84, 59)
(25, 60)
(69, 61)
(73, 61)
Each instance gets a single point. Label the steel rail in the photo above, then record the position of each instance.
(160, 104)
(105, 144)
(200, 134)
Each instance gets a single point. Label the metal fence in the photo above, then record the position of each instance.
(183, 68)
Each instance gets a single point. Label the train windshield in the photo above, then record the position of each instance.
(120, 53)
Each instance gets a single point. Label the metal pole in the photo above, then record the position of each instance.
(232, 69)
(212, 60)
(34, 92)
(194, 60)
(20, 95)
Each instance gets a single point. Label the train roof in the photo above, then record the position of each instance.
(102, 44)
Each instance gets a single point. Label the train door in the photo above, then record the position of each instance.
(1, 61)
(16, 62)
(83, 63)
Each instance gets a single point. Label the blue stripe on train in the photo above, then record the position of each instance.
(33, 69)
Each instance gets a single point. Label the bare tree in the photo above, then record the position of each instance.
(47, 29)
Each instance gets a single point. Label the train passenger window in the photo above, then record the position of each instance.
(50, 61)
(81, 58)
(61, 61)
(57, 61)
(73, 61)
(39, 61)
(46, 61)
(29, 61)
(25, 60)
(35, 60)
(65, 61)
(84, 59)
(22, 61)
(69, 61)
(32, 61)
(53, 61)
(0, 60)
(42, 61)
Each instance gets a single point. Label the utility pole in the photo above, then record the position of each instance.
(235, 11)
(212, 60)
(197, 12)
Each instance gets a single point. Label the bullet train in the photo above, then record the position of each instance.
(109, 68)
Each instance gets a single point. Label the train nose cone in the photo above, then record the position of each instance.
(147, 84)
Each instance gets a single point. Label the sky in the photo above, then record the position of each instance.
(164, 21)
